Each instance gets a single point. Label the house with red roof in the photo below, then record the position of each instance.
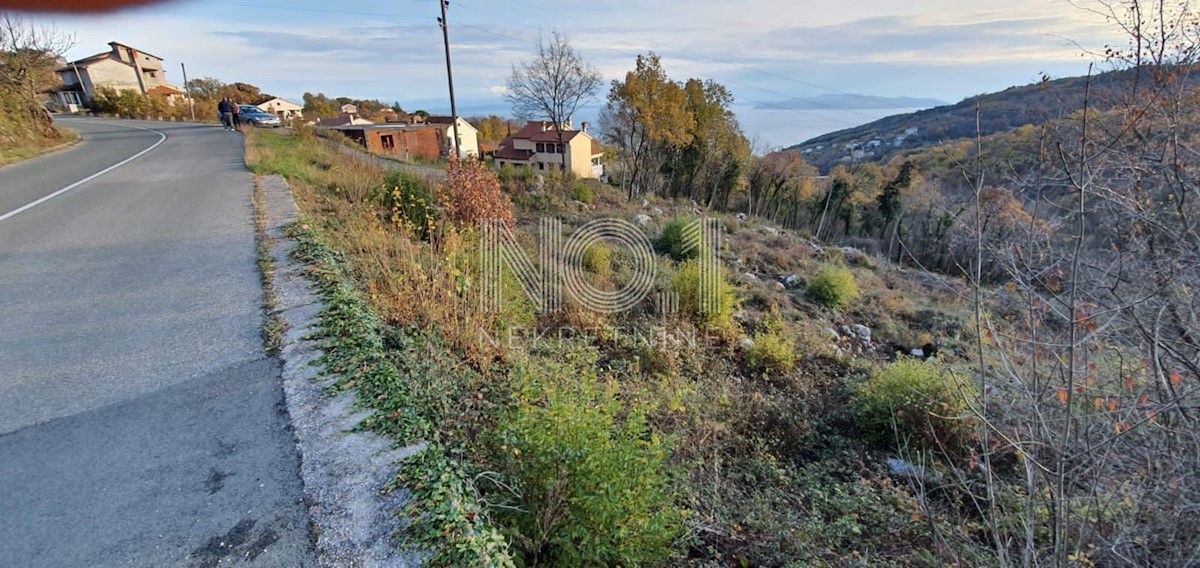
(537, 146)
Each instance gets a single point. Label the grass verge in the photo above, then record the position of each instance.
(25, 149)
(274, 326)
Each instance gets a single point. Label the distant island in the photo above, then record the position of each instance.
(849, 101)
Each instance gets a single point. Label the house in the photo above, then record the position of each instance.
(349, 109)
(468, 136)
(536, 146)
(284, 109)
(345, 119)
(407, 141)
(122, 68)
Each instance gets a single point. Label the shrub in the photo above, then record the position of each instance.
(774, 347)
(910, 401)
(717, 314)
(680, 239)
(582, 192)
(471, 193)
(833, 288)
(407, 198)
(597, 259)
(593, 480)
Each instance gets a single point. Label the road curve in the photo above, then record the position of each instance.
(141, 423)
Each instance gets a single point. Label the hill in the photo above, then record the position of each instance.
(849, 101)
(1003, 111)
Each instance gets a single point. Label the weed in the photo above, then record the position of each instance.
(833, 288)
(911, 402)
(774, 348)
(717, 315)
(593, 479)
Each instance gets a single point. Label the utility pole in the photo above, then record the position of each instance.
(450, 75)
(188, 90)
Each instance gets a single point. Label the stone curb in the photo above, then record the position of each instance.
(344, 471)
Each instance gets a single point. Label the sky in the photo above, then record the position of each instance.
(762, 50)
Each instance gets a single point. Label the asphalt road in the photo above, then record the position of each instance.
(141, 423)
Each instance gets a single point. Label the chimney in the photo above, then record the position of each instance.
(584, 125)
(543, 126)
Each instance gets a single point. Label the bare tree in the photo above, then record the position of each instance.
(28, 55)
(553, 85)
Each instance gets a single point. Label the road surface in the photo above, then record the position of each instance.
(141, 423)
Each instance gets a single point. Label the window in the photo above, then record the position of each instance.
(558, 148)
(541, 165)
(541, 147)
(388, 142)
(151, 74)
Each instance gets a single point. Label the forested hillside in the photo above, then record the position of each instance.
(999, 112)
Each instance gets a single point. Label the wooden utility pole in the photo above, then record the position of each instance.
(188, 90)
(450, 76)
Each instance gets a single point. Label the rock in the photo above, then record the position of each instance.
(746, 343)
(579, 204)
(862, 332)
(846, 331)
(740, 217)
(918, 353)
(749, 277)
(645, 203)
(656, 212)
(642, 220)
(779, 286)
(792, 281)
(833, 335)
(771, 231)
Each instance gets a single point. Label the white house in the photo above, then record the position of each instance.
(468, 136)
(284, 109)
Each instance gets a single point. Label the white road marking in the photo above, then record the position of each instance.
(161, 138)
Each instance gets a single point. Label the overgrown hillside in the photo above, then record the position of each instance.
(1004, 111)
(744, 435)
(27, 61)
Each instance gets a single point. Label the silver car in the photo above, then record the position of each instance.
(255, 116)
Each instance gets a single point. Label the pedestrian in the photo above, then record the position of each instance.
(237, 116)
(225, 111)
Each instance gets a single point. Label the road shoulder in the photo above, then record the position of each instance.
(345, 470)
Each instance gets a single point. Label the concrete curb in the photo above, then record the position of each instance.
(343, 471)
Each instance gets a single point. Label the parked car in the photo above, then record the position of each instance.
(255, 116)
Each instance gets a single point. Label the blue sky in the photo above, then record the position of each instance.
(763, 50)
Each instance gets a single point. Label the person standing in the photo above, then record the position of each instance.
(237, 116)
(225, 111)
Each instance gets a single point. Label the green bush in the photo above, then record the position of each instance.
(717, 314)
(410, 202)
(833, 288)
(593, 481)
(582, 192)
(911, 402)
(597, 259)
(680, 239)
(774, 348)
